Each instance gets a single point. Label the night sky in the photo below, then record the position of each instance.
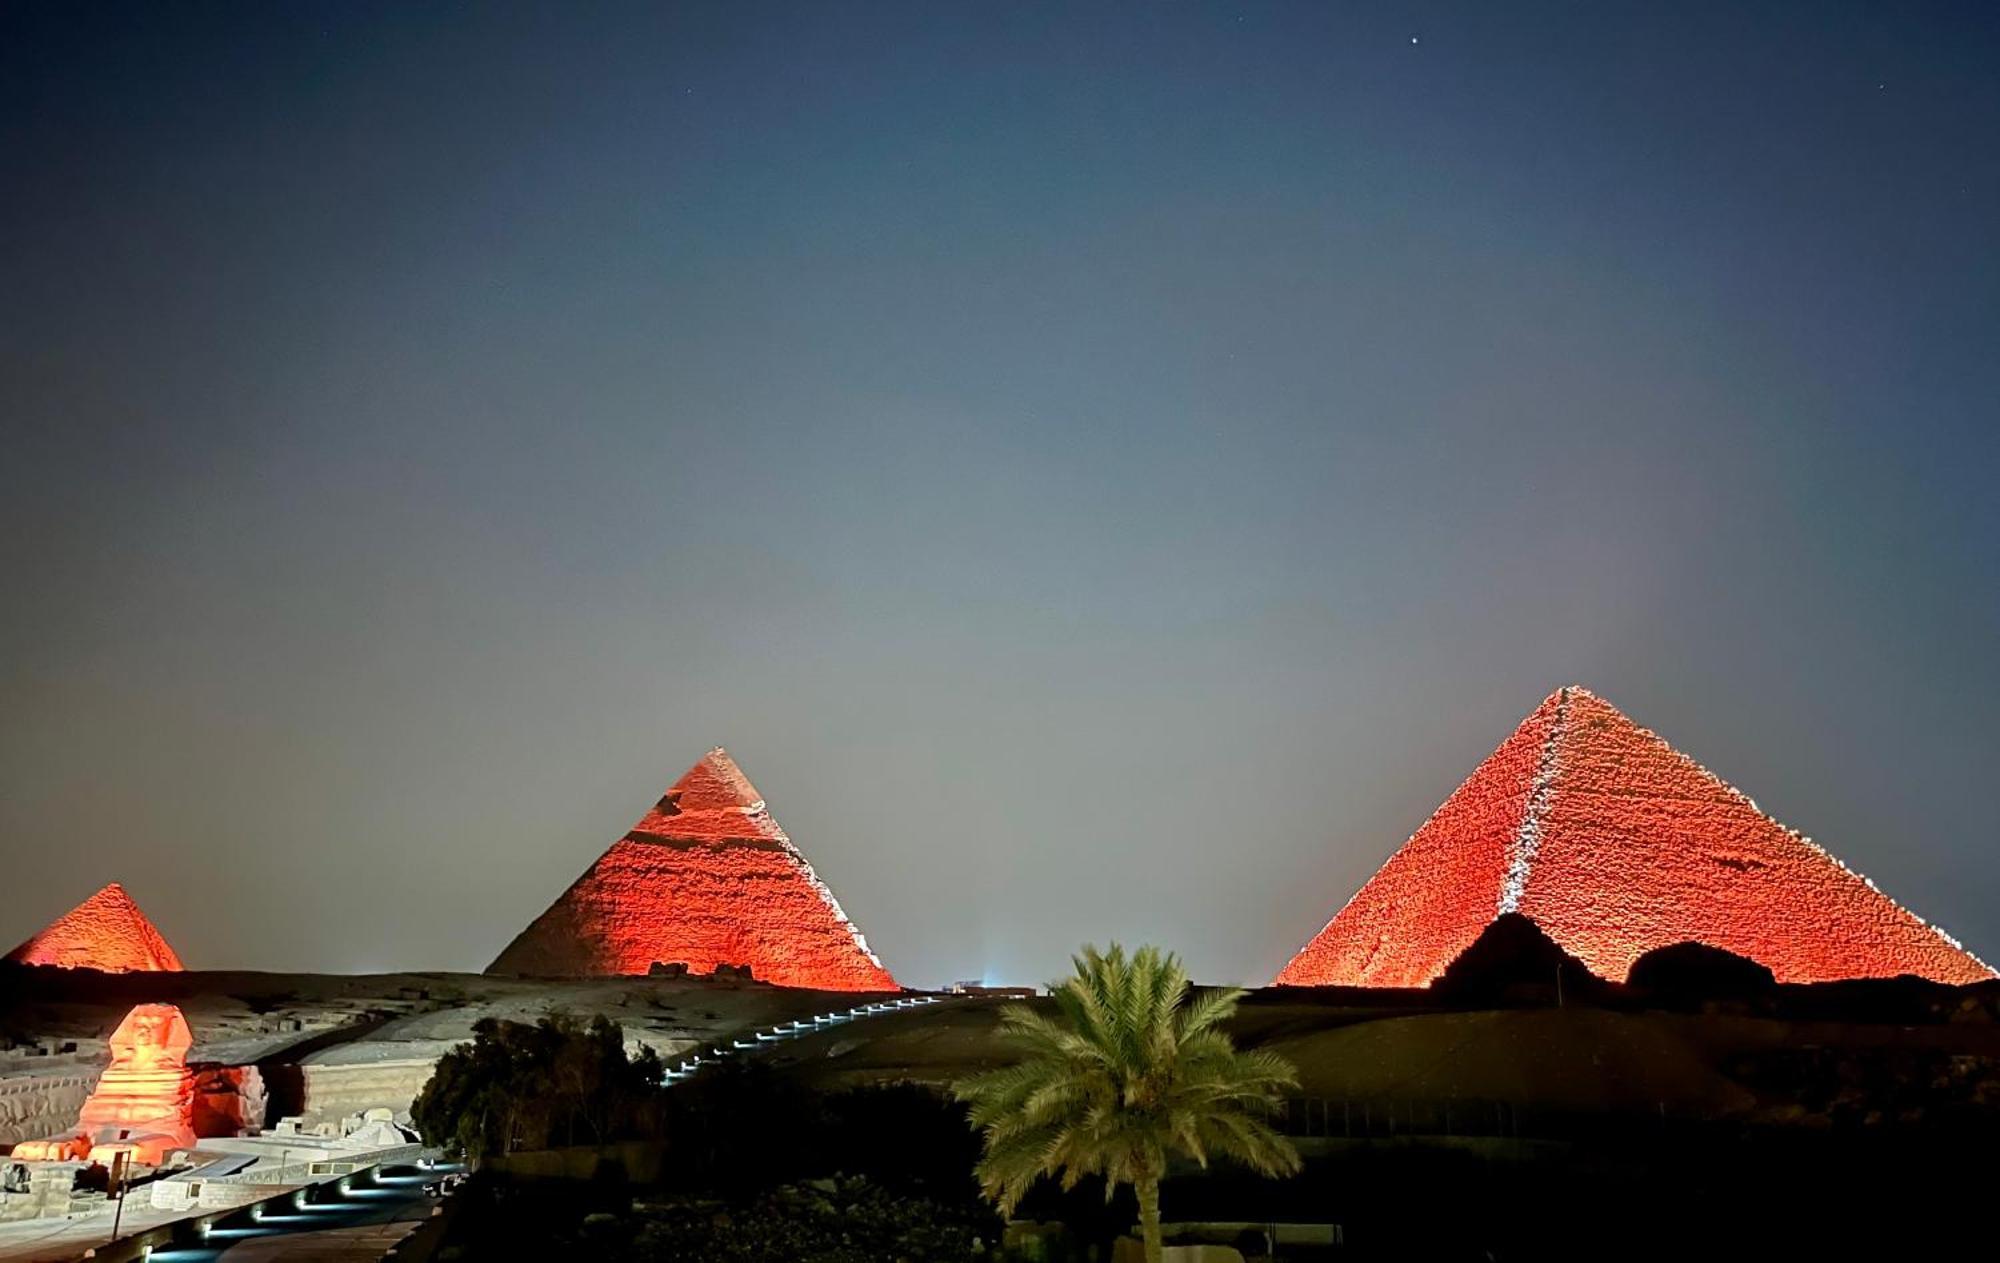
(1104, 472)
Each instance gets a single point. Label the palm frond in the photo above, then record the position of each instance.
(1206, 1011)
(1130, 1067)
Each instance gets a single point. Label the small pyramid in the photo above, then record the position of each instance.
(105, 932)
(705, 879)
(1615, 844)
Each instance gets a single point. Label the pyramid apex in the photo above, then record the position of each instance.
(1584, 690)
(1573, 689)
(715, 782)
(1569, 694)
(1551, 700)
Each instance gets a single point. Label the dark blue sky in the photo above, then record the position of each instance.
(1104, 471)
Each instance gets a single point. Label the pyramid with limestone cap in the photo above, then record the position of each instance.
(106, 931)
(1615, 843)
(705, 879)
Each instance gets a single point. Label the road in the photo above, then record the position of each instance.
(351, 1224)
(61, 1240)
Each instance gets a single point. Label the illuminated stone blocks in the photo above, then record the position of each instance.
(1615, 843)
(106, 932)
(707, 880)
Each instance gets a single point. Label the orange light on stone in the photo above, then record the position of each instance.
(106, 932)
(1615, 843)
(144, 1103)
(706, 879)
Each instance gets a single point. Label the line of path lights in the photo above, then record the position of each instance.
(764, 1039)
(207, 1238)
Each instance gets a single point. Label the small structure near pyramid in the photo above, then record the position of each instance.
(1615, 843)
(144, 1103)
(105, 932)
(705, 883)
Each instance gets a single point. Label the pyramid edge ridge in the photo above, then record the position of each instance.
(1945, 936)
(1400, 847)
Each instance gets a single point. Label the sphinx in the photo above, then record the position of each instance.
(143, 1106)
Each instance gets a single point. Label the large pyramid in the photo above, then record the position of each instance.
(1615, 843)
(707, 878)
(106, 931)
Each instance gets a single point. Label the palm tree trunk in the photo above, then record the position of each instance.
(1148, 1189)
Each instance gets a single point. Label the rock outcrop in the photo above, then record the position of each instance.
(707, 880)
(1615, 844)
(105, 932)
(1513, 961)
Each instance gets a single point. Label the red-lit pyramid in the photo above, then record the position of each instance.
(707, 878)
(1615, 843)
(106, 931)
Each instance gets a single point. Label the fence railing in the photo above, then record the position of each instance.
(758, 1041)
(1362, 1118)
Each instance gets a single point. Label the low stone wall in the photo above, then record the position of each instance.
(333, 1092)
(35, 1107)
(50, 1194)
(190, 1195)
(191, 1192)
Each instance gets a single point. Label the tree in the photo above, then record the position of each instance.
(1130, 1070)
(517, 1086)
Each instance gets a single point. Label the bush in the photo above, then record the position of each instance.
(557, 1082)
(852, 1220)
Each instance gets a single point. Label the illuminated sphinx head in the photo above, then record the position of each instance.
(152, 1037)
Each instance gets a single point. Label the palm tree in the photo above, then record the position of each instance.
(1129, 1071)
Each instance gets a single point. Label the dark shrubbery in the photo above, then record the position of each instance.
(903, 1136)
(846, 1219)
(742, 1126)
(558, 1082)
(759, 1169)
(1911, 1089)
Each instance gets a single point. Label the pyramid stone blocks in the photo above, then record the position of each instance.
(105, 932)
(1615, 844)
(707, 880)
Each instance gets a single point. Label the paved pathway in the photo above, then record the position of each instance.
(62, 1240)
(335, 1224)
(364, 1244)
